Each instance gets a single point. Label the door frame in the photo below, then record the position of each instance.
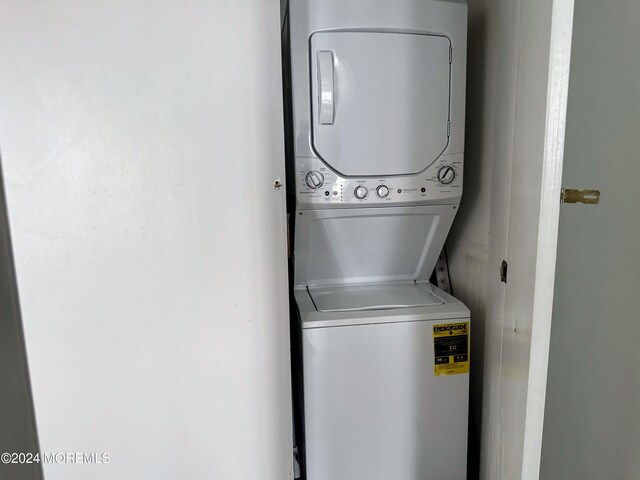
(524, 231)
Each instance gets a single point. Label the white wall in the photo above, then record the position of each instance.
(140, 141)
(477, 241)
(592, 424)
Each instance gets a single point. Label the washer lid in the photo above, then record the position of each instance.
(369, 245)
(310, 317)
(380, 101)
(372, 297)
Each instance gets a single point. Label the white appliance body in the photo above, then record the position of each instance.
(373, 407)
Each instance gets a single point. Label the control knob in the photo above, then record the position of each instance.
(446, 175)
(360, 192)
(382, 191)
(314, 179)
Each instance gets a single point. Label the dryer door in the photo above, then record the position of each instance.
(380, 101)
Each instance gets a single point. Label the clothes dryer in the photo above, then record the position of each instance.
(376, 102)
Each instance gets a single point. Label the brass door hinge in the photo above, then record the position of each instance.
(588, 197)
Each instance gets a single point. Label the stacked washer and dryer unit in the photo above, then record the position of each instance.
(377, 100)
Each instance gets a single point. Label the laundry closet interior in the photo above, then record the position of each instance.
(389, 112)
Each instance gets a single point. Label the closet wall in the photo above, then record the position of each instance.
(519, 52)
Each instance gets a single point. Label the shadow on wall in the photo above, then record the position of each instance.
(468, 243)
(17, 420)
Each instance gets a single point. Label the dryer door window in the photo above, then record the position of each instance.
(380, 101)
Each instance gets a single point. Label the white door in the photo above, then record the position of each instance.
(380, 101)
(139, 155)
(592, 423)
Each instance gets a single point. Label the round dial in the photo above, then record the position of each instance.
(360, 192)
(382, 191)
(446, 175)
(314, 179)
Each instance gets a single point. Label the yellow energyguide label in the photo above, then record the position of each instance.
(451, 348)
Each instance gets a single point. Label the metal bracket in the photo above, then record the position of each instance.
(442, 272)
(503, 271)
(588, 197)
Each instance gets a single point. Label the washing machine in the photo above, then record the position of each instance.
(385, 382)
(382, 355)
(375, 95)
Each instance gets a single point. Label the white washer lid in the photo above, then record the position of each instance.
(366, 246)
(372, 297)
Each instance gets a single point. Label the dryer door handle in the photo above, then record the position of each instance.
(326, 107)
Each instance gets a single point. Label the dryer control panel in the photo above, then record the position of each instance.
(318, 186)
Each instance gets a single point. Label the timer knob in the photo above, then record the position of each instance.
(446, 175)
(382, 191)
(360, 192)
(314, 179)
